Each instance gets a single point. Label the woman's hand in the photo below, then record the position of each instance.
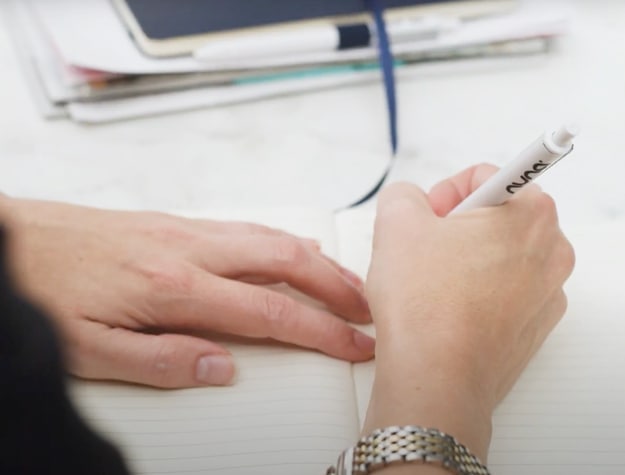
(125, 287)
(460, 303)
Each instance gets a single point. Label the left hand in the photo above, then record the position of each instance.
(127, 288)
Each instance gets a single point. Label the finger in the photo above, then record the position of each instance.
(401, 211)
(177, 229)
(239, 228)
(447, 194)
(167, 361)
(403, 192)
(286, 259)
(169, 226)
(242, 228)
(315, 245)
(353, 279)
(237, 308)
(234, 227)
(531, 191)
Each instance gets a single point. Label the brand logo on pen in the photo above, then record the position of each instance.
(527, 176)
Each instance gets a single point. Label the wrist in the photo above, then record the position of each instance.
(409, 392)
(397, 449)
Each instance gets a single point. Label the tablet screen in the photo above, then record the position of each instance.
(164, 19)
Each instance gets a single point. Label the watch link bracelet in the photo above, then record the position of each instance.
(407, 444)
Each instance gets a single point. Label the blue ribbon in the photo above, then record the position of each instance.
(386, 63)
(388, 74)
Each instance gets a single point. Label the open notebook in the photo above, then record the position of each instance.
(293, 411)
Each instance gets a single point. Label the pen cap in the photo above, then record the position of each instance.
(561, 140)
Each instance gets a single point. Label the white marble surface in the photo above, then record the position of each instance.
(326, 148)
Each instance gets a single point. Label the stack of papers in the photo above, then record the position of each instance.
(85, 65)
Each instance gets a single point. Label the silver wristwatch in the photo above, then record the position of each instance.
(407, 444)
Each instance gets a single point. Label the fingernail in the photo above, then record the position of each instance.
(215, 369)
(364, 343)
(352, 278)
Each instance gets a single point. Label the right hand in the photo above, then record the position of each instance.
(460, 303)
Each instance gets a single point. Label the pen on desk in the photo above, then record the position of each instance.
(539, 156)
(319, 38)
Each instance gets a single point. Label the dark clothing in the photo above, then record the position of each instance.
(40, 431)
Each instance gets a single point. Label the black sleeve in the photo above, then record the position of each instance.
(40, 431)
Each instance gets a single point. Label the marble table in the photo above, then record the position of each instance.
(328, 148)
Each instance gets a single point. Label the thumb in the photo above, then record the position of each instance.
(447, 194)
(402, 208)
(166, 361)
(406, 193)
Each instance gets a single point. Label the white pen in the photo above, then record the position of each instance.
(539, 156)
(319, 37)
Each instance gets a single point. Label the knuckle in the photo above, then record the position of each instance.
(331, 337)
(276, 310)
(167, 278)
(79, 352)
(249, 228)
(566, 257)
(254, 228)
(569, 255)
(76, 339)
(172, 233)
(165, 228)
(546, 206)
(289, 251)
(164, 364)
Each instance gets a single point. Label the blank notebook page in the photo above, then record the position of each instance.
(291, 411)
